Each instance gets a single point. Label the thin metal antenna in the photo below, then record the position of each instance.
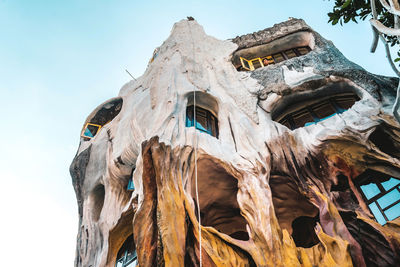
(130, 74)
(195, 153)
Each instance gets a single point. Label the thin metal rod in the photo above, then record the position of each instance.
(130, 74)
(195, 154)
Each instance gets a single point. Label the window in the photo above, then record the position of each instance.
(262, 61)
(278, 57)
(100, 117)
(130, 186)
(91, 130)
(127, 256)
(205, 120)
(291, 53)
(256, 55)
(383, 198)
(308, 114)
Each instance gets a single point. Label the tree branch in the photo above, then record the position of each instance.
(383, 29)
(396, 105)
(375, 39)
(392, 7)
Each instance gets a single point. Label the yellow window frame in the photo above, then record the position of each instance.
(242, 60)
(251, 64)
(87, 124)
(256, 59)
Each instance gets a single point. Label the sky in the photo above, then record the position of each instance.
(59, 60)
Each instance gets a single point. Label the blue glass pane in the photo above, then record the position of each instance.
(389, 198)
(393, 212)
(130, 186)
(390, 183)
(88, 133)
(370, 190)
(378, 215)
(189, 122)
(200, 127)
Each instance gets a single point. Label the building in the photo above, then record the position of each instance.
(268, 149)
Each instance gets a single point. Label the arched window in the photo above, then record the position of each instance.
(273, 52)
(100, 117)
(256, 61)
(127, 256)
(205, 120)
(315, 110)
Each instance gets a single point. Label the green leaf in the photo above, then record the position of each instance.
(346, 4)
(397, 59)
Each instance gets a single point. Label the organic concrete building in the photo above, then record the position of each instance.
(269, 149)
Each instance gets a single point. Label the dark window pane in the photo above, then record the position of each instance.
(201, 112)
(290, 53)
(323, 110)
(245, 64)
(205, 120)
(345, 102)
(303, 50)
(278, 58)
(107, 112)
(189, 116)
(256, 63)
(301, 117)
(212, 127)
(309, 114)
(127, 254)
(201, 121)
(286, 123)
(127, 247)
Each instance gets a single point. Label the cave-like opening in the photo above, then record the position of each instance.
(294, 211)
(218, 199)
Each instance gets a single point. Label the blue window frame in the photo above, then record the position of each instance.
(205, 120)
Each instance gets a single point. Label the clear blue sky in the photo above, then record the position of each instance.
(60, 59)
